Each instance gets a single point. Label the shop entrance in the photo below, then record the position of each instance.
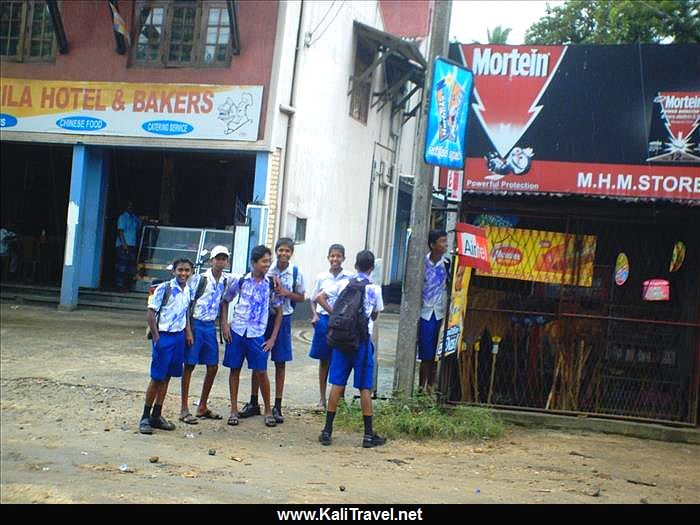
(35, 187)
(178, 193)
(602, 340)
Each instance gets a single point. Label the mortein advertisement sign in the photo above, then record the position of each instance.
(619, 121)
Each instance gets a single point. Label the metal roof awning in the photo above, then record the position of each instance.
(403, 62)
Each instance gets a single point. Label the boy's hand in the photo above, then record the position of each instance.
(155, 337)
(279, 289)
(314, 318)
(267, 345)
(189, 338)
(226, 332)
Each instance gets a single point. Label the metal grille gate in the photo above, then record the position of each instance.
(595, 349)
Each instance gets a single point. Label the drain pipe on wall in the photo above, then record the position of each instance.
(290, 110)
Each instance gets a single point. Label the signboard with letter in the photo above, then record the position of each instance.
(446, 134)
(472, 247)
(171, 111)
(617, 120)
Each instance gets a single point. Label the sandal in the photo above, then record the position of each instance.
(189, 419)
(232, 420)
(209, 415)
(270, 421)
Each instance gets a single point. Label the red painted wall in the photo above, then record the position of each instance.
(92, 55)
(407, 19)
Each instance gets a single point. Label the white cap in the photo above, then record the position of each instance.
(218, 250)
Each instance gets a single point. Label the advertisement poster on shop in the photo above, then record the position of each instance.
(621, 121)
(445, 138)
(171, 111)
(541, 256)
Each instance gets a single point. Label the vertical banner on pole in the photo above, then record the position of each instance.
(451, 335)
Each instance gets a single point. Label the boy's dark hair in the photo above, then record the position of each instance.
(337, 248)
(434, 235)
(364, 261)
(182, 260)
(259, 252)
(284, 241)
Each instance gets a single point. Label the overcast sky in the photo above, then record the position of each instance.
(471, 18)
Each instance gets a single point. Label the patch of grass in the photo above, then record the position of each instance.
(421, 417)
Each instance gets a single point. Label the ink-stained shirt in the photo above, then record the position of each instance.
(434, 289)
(207, 306)
(252, 309)
(329, 283)
(173, 315)
(373, 302)
(286, 278)
(130, 224)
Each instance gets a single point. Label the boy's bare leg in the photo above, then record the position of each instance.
(152, 391)
(185, 390)
(233, 380)
(206, 389)
(254, 384)
(323, 380)
(160, 397)
(334, 398)
(366, 401)
(264, 383)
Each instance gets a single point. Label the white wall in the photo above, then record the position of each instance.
(330, 156)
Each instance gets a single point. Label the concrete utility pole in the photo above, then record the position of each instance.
(420, 217)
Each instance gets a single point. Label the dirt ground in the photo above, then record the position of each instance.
(71, 393)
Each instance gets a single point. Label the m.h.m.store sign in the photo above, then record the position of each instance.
(620, 121)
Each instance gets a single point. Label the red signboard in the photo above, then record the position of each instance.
(472, 247)
(620, 121)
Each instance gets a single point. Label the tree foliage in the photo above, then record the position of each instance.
(498, 35)
(618, 22)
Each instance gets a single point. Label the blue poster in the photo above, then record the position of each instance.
(446, 136)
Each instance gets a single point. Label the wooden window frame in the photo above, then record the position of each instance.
(198, 41)
(25, 38)
(362, 94)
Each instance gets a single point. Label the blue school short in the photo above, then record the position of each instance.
(319, 345)
(282, 351)
(205, 349)
(168, 355)
(362, 362)
(250, 348)
(428, 333)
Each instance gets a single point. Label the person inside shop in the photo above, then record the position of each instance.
(128, 229)
(9, 251)
(433, 307)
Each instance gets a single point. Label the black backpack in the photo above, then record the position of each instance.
(348, 326)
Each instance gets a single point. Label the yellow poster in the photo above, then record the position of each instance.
(541, 256)
(461, 276)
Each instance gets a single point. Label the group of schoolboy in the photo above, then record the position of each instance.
(182, 315)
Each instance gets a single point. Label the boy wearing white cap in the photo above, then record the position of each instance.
(202, 348)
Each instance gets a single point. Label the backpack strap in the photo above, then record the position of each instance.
(201, 287)
(295, 274)
(448, 269)
(271, 283)
(166, 297)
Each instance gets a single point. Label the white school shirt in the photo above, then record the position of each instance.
(173, 315)
(253, 307)
(434, 289)
(207, 307)
(373, 302)
(327, 282)
(130, 224)
(286, 277)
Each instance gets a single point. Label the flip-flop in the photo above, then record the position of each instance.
(232, 420)
(209, 415)
(270, 421)
(189, 419)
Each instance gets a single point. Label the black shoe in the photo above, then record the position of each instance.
(277, 414)
(374, 440)
(161, 423)
(249, 410)
(325, 438)
(145, 426)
